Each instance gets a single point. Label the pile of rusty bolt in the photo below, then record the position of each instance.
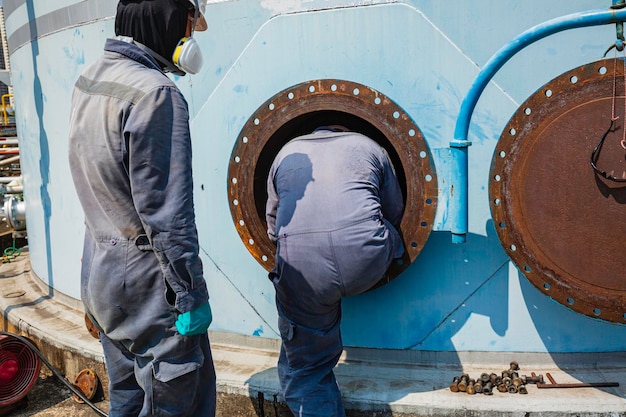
(509, 381)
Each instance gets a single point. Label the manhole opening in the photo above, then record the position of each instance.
(305, 124)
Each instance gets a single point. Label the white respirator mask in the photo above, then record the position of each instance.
(187, 55)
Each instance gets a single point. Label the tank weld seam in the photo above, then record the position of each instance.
(461, 304)
(238, 291)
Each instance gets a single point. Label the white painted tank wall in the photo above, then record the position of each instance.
(422, 54)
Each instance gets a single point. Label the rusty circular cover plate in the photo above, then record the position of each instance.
(303, 107)
(561, 223)
(87, 381)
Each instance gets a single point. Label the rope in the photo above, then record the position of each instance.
(613, 116)
(623, 142)
(595, 154)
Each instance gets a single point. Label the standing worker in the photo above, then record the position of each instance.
(142, 282)
(334, 206)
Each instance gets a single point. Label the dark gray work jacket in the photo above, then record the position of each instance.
(130, 158)
(330, 180)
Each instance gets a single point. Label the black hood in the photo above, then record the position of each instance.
(158, 24)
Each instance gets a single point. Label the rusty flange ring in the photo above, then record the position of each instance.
(561, 223)
(298, 110)
(91, 328)
(88, 382)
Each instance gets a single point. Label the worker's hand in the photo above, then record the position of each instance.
(196, 321)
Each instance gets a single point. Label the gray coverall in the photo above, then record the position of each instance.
(334, 205)
(130, 158)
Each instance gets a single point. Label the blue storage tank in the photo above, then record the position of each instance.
(401, 69)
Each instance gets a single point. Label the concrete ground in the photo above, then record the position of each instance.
(374, 383)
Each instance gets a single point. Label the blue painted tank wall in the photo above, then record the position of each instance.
(422, 54)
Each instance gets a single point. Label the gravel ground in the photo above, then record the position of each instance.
(51, 398)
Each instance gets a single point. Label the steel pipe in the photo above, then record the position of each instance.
(9, 160)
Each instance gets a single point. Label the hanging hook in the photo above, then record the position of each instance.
(619, 28)
(618, 45)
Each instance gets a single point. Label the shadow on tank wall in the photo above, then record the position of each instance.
(505, 301)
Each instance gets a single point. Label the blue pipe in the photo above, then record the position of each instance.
(459, 199)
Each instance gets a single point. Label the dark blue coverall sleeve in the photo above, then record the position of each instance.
(391, 200)
(158, 155)
(271, 206)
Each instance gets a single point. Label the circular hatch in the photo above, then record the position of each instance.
(300, 109)
(560, 221)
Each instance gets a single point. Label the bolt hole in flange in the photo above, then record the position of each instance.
(299, 110)
(561, 223)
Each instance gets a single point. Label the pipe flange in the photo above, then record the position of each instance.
(88, 382)
(91, 328)
(15, 212)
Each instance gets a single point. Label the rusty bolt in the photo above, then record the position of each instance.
(514, 366)
(454, 386)
(463, 382)
(495, 379)
(484, 377)
(478, 387)
(534, 379)
(487, 388)
(502, 387)
(522, 390)
(470, 387)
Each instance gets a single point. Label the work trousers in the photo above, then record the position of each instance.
(313, 272)
(153, 370)
(305, 369)
(179, 383)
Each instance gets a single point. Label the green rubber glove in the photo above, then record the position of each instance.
(196, 321)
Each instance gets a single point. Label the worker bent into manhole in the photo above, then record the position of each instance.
(334, 206)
